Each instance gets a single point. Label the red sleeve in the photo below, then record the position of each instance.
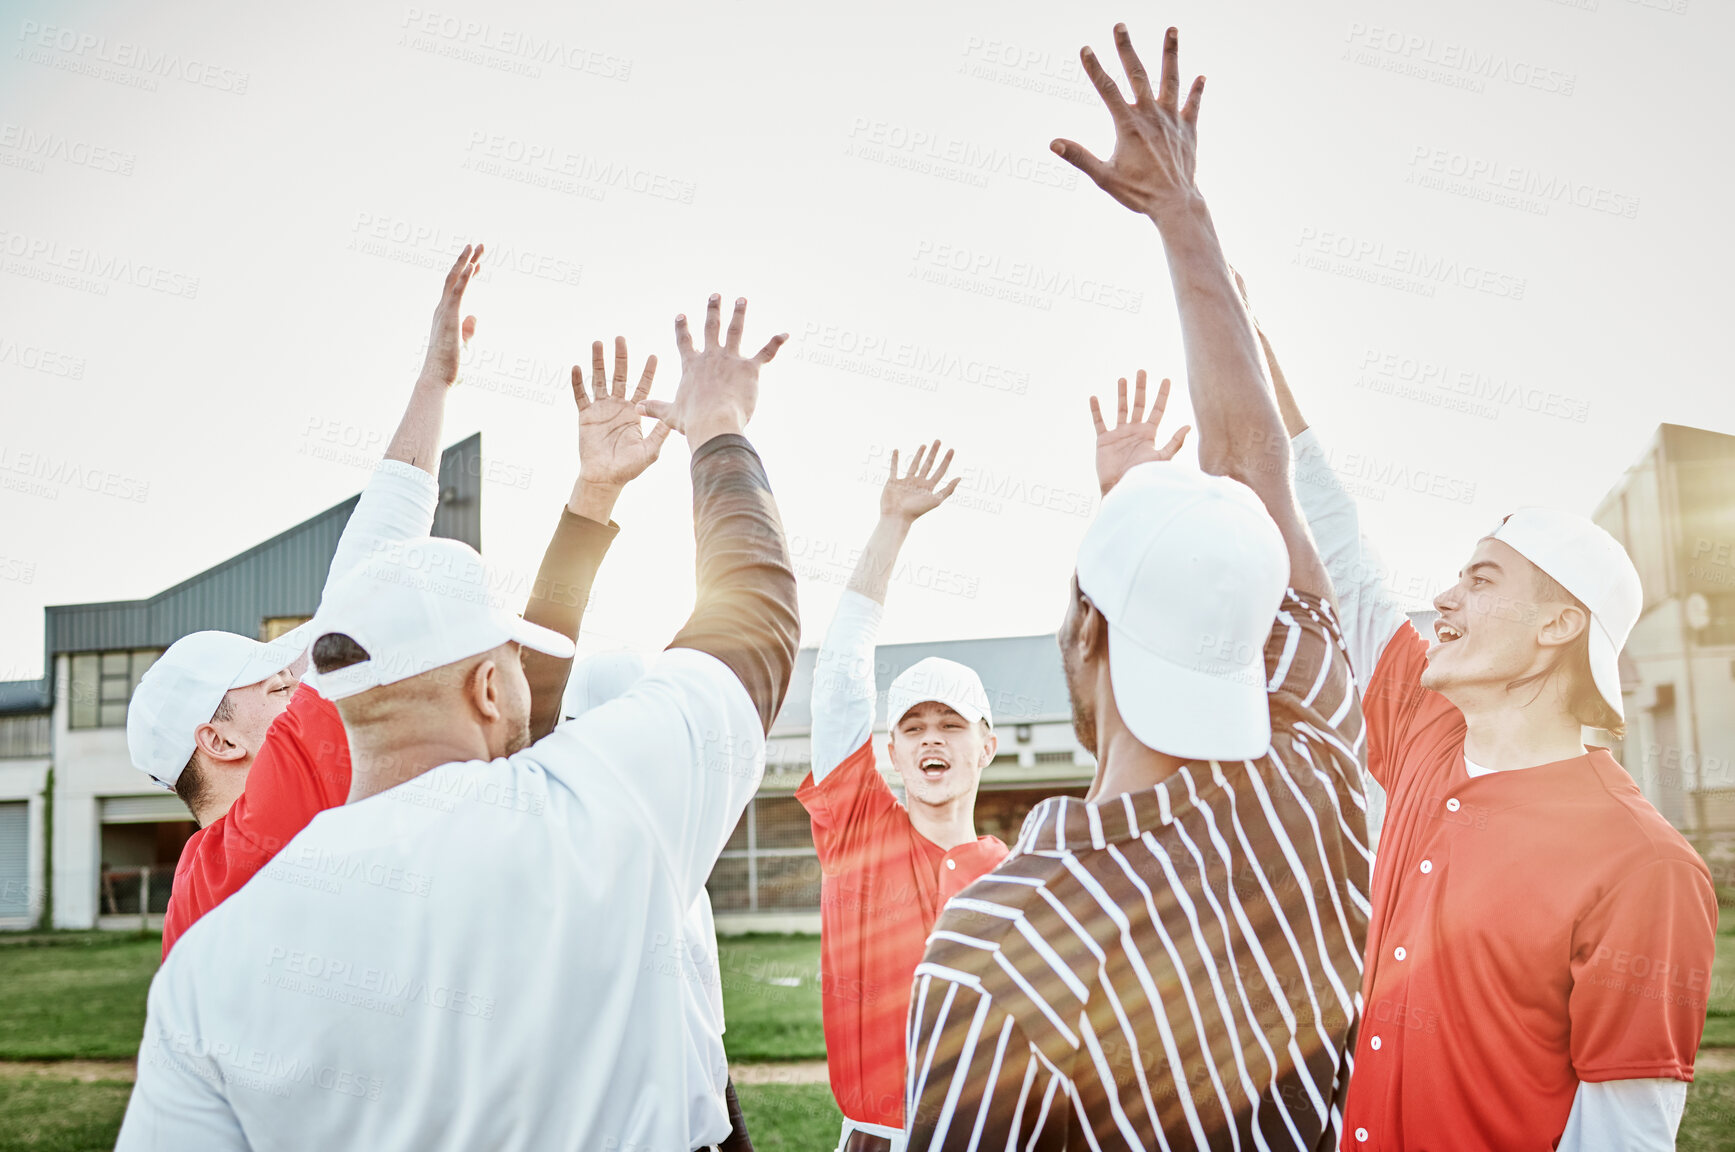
(301, 770)
(1406, 723)
(1641, 969)
(845, 805)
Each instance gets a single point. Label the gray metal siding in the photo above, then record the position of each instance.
(280, 577)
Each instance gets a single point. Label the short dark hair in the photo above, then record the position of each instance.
(1584, 701)
(335, 650)
(191, 785)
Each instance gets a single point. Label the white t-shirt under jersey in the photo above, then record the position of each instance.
(486, 956)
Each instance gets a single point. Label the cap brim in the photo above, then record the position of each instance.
(1191, 713)
(274, 656)
(1605, 668)
(544, 640)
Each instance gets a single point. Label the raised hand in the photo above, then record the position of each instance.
(913, 495)
(719, 387)
(1132, 441)
(448, 335)
(613, 447)
(1156, 144)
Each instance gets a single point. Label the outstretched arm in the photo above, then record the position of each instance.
(843, 673)
(1151, 172)
(400, 498)
(1370, 614)
(613, 449)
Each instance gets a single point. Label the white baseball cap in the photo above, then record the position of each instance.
(596, 680)
(184, 687)
(1591, 564)
(1189, 571)
(942, 681)
(420, 605)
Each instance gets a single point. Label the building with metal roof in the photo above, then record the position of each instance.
(116, 837)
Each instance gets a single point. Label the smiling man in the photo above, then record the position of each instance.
(888, 867)
(1541, 941)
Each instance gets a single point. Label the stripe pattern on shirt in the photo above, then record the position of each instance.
(1173, 968)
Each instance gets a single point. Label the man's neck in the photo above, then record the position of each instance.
(1502, 738)
(949, 824)
(378, 769)
(1126, 765)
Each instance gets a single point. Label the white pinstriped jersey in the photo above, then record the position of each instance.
(1174, 968)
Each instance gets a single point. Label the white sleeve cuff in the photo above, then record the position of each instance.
(844, 683)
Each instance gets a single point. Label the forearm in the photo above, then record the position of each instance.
(1241, 433)
(417, 440)
(842, 706)
(1293, 421)
(873, 570)
(1236, 416)
(745, 610)
(557, 601)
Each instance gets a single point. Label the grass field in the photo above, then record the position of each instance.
(81, 996)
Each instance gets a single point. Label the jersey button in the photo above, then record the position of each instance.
(1452, 804)
(1361, 1135)
(1399, 952)
(951, 863)
(1376, 1044)
(1427, 867)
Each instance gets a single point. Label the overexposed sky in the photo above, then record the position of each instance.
(1490, 240)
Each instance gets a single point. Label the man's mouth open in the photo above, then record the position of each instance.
(1445, 634)
(933, 768)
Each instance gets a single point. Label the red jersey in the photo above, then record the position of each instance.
(882, 889)
(302, 768)
(1531, 929)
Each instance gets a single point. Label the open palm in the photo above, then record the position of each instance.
(914, 493)
(613, 447)
(1133, 441)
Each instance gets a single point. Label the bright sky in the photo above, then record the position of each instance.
(1490, 240)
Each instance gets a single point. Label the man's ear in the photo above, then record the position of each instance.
(989, 747)
(482, 686)
(216, 747)
(1092, 631)
(1563, 626)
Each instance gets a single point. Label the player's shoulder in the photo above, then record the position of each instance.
(990, 908)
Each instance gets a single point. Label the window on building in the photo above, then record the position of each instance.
(275, 626)
(102, 683)
(25, 735)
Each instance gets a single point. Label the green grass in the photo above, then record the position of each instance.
(771, 998)
(38, 1114)
(82, 996)
(790, 1117)
(76, 996)
(1720, 1003)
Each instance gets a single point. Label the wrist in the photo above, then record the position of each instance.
(712, 426)
(1180, 210)
(593, 500)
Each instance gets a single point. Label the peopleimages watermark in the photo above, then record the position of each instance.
(1510, 186)
(939, 154)
(560, 169)
(36, 358)
(430, 246)
(1448, 62)
(1403, 269)
(904, 362)
(983, 273)
(121, 61)
(984, 489)
(1039, 70)
(504, 48)
(22, 146)
(88, 269)
(1468, 390)
(39, 474)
